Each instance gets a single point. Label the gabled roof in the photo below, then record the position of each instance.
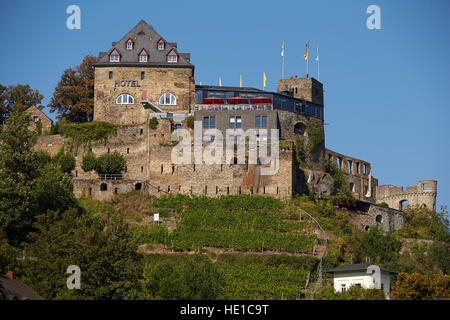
(11, 289)
(40, 111)
(144, 37)
(357, 267)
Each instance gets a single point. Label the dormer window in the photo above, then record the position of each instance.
(161, 44)
(129, 44)
(143, 56)
(172, 57)
(114, 56)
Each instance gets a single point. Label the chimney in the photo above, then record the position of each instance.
(11, 275)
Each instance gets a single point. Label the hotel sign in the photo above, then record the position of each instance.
(126, 83)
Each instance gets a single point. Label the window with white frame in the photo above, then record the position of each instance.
(143, 56)
(125, 99)
(129, 44)
(167, 99)
(114, 56)
(161, 44)
(172, 57)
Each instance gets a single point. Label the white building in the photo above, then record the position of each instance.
(365, 275)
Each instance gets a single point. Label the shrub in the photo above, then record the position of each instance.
(89, 162)
(417, 286)
(353, 293)
(65, 160)
(191, 277)
(383, 204)
(87, 132)
(316, 136)
(111, 163)
(300, 152)
(153, 123)
(340, 184)
(39, 127)
(190, 122)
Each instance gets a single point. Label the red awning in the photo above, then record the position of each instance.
(237, 100)
(261, 100)
(213, 100)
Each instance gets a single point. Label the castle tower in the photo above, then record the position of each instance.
(309, 89)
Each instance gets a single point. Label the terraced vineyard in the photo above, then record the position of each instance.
(233, 223)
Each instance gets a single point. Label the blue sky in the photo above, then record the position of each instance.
(386, 91)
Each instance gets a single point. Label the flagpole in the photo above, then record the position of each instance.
(282, 61)
(307, 57)
(318, 64)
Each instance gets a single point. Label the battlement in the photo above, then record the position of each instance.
(309, 89)
(422, 194)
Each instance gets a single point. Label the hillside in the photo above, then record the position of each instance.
(264, 247)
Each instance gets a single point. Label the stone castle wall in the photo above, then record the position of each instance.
(157, 81)
(148, 155)
(422, 194)
(389, 220)
(51, 143)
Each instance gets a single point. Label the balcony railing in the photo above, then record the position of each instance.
(110, 176)
(234, 107)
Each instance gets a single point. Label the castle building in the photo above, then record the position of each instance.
(144, 76)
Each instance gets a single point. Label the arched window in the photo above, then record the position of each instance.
(168, 99)
(379, 218)
(103, 187)
(125, 99)
(403, 205)
(138, 186)
(299, 128)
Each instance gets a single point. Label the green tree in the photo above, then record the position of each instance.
(74, 96)
(340, 184)
(111, 163)
(191, 278)
(381, 249)
(65, 160)
(424, 223)
(110, 265)
(17, 171)
(89, 162)
(53, 189)
(417, 286)
(8, 255)
(17, 98)
(41, 159)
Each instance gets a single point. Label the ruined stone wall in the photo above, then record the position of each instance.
(422, 194)
(357, 173)
(158, 80)
(51, 144)
(389, 220)
(103, 190)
